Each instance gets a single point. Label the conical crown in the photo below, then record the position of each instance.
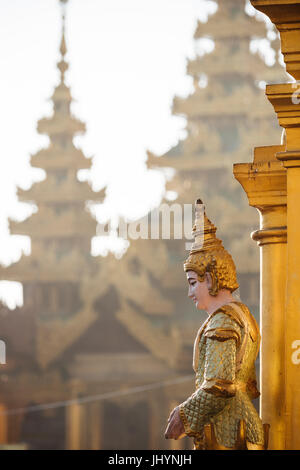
(204, 231)
(208, 254)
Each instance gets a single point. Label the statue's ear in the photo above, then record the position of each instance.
(208, 280)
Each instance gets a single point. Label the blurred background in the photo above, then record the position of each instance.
(110, 109)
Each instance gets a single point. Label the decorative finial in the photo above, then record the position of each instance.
(63, 48)
(62, 65)
(204, 231)
(208, 254)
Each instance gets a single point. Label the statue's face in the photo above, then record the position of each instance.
(198, 291)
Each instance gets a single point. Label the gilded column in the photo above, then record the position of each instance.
(94, 425)
(73, 426)
(75, 418)
(288, 112)
(156, 419)
(3, 424)
(285, 14)
(264, 182)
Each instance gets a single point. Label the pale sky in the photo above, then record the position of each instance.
(127, 61)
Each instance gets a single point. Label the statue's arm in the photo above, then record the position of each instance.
(222, 337)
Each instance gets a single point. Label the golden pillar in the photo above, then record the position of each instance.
(73, 426)
(94, 425)
(157, 423)
(264, 182)
(284, 100)
(285, 14)
(3, 424)
(76, 418)
(281, 337)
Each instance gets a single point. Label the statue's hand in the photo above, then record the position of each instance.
(175, 428)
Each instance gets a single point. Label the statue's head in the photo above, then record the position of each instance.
(208, 256)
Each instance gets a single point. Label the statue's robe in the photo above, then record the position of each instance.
(225, 350)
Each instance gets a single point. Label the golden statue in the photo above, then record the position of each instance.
(219, 414)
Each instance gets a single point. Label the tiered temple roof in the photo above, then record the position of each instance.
(62, 229)
(60, 263)
(225, 120)
(62, 283)
(230, 21)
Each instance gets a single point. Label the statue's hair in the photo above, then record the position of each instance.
(219, 264)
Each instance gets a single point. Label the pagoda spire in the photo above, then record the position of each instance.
(60, 265)
(62, 222)
(63, 65)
